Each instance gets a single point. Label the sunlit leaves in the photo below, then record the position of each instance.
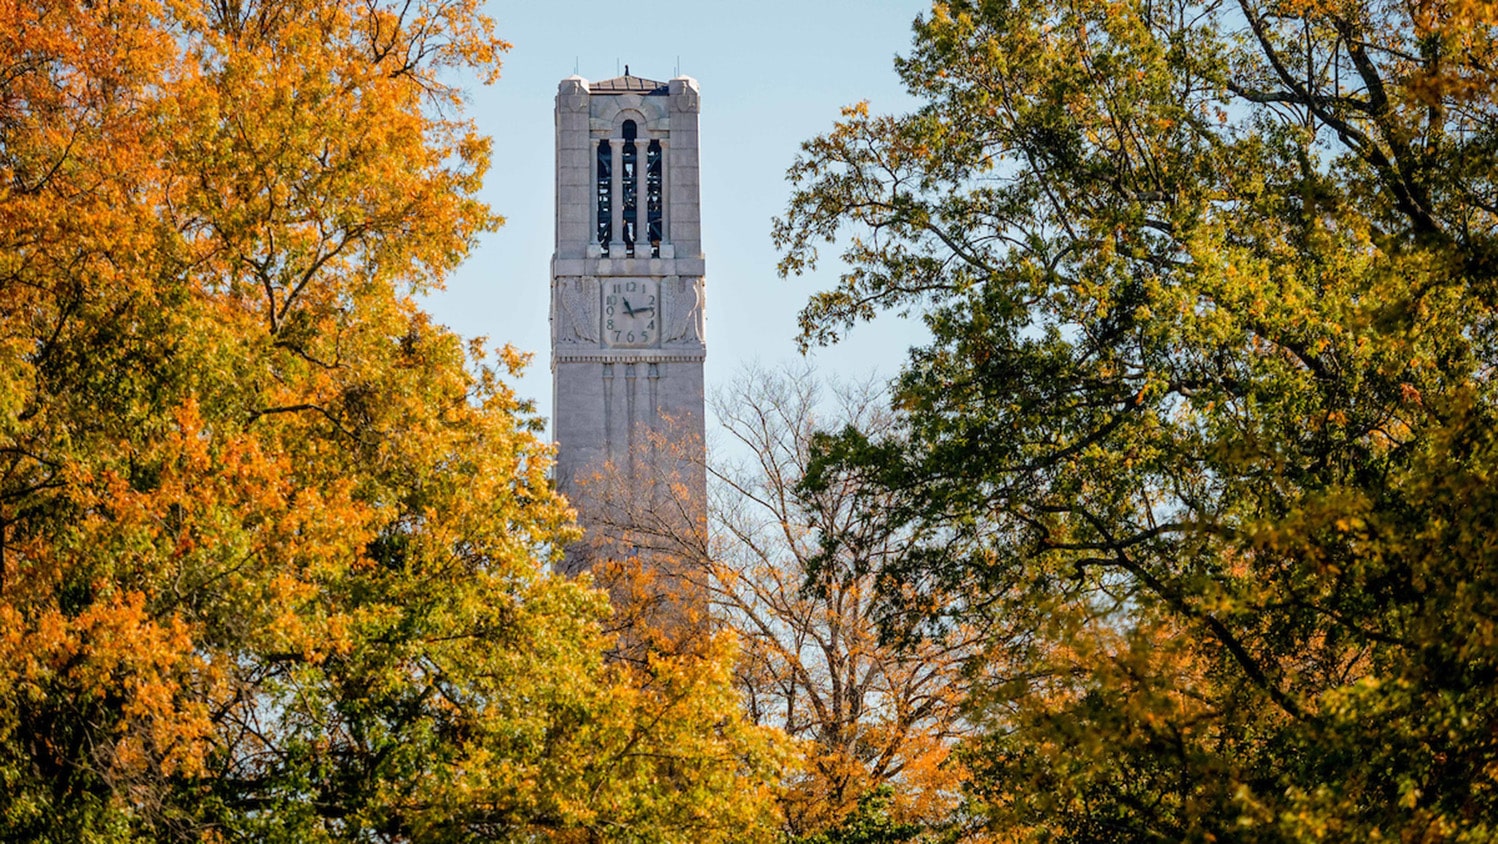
(273, 546)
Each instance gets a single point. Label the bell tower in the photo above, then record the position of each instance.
(627, 329)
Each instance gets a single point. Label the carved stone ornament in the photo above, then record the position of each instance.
(684, 94)
(575, 303)
(572, 93)
(684, 299)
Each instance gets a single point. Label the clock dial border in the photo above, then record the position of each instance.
(626, 324)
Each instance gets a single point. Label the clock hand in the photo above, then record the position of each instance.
(628, 311)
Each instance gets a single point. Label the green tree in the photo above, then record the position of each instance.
(869, 823)
(273, 546)
(1207, 411)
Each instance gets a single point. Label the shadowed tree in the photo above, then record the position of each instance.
(1209, 397)
(870, 685)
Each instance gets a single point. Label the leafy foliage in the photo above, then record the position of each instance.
(272, 545)
(1206, 417)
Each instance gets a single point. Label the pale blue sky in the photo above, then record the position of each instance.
(772, 74)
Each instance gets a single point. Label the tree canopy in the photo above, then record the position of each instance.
(1207, 413)
(273, 545)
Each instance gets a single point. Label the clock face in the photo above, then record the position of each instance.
(631, 312)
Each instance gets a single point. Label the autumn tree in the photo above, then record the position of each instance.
(1208, 404)
(872, 687)
(272, 544)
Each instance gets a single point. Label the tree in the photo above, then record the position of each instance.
(273, 546)
(869, 686)
(1207, 407)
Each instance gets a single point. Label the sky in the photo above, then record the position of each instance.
(773, 73)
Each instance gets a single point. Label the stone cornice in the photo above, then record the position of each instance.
(627, 356)
(694, 266)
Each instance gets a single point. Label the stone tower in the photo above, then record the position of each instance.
(627, 296)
